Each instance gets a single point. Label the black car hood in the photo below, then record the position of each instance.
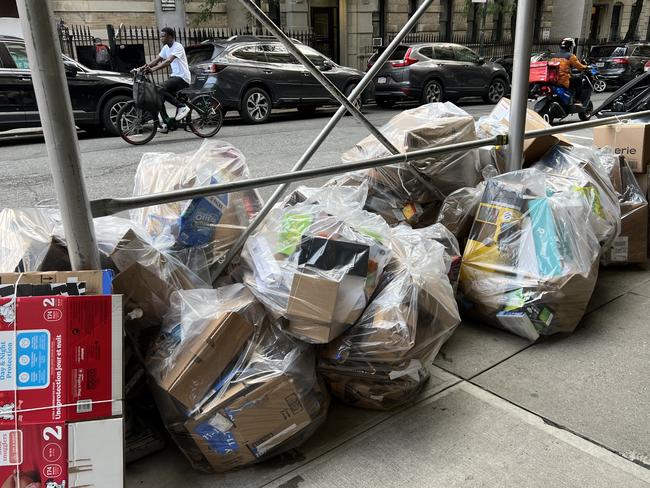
(110, 75)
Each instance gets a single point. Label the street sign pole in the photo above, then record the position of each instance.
(521, 67)
(51, 87)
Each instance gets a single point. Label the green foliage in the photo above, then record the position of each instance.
(494, 7)
(206, 9)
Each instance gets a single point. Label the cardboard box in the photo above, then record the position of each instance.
(315, 332)
(60, 359)
(535, 148)
(249, 421)
(97, 282)
(642, 180)
(312, 298)
(204, 358)
(631, 246)
(629, 140)
(59, 455)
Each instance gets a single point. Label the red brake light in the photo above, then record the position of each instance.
(407, 61)
(215, 68)
(621, 61)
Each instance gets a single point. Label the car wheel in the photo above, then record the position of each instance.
(496, 91)
(433, 92)
(358, 102)
(383, 103)
(110, 112)
(256, 106)
(600, 86)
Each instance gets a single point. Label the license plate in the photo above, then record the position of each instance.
(381, 79)
(600, 65)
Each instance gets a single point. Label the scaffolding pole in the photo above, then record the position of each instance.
(53, 97)
(520, 72)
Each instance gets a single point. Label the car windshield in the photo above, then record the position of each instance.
(607, 51)
(203, 53)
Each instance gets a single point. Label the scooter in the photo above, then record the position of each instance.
(555, 102)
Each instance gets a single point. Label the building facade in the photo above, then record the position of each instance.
(350, 30)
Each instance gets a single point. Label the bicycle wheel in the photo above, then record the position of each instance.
(208, 119)
(136, 126)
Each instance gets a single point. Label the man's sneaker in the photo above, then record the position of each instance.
(162, 126)
(181, 112)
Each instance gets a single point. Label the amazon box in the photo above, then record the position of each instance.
(629, 140)
(249, 421)
(204, 358)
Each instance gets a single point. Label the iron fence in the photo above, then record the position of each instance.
(75, 40)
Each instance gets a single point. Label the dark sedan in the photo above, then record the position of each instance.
(96, 96)
(620, 63)
(435, 72)
(253, 75)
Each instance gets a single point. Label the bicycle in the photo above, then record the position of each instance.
(138, 126)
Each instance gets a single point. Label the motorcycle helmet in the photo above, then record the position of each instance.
(567, 43)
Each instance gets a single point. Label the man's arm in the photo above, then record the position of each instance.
(155, 66)
(152, 64)
(575, 63)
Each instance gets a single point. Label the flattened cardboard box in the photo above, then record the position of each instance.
(631, 246)
(58, 455)
(629, 140)
(97, 282)
(61, 359)
(203, 359)
(248, 422)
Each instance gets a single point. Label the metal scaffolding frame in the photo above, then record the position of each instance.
(64, 154)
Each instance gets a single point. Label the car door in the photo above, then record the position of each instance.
(85, 89)
(314, 91)
(285, 73)
(449, 68)
(473, 74)
(12, 115)
(15, 59)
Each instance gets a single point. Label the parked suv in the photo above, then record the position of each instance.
(620, 63)
(253, 75)
(437, 71)
(96, 96)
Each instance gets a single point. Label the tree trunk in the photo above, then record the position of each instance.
(634, 20)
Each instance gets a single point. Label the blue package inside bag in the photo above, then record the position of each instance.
(198, 221)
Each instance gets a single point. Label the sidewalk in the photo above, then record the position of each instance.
(498, 412)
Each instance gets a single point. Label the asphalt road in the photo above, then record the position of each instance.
(109, 163)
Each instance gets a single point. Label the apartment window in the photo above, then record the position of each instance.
(446, 16)
(274, 12)
(378, 20)
(615, 26)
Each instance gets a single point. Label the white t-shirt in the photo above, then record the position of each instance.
(179, 65)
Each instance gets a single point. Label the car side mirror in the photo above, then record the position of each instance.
(70, 69)
(481, 60)
(326, 66)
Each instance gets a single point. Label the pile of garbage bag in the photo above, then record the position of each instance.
(350, 288)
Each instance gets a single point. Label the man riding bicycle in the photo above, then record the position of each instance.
(172, 53)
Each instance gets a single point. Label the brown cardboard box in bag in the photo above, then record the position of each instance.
(311, 307)
(629, 140)
(249, 421)
(535, 148)
(642, 180)
(631, 246)
(204, 357)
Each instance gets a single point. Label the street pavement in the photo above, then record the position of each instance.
(498, 412)
(109, 163)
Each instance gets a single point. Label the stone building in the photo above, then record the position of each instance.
(350, 30)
